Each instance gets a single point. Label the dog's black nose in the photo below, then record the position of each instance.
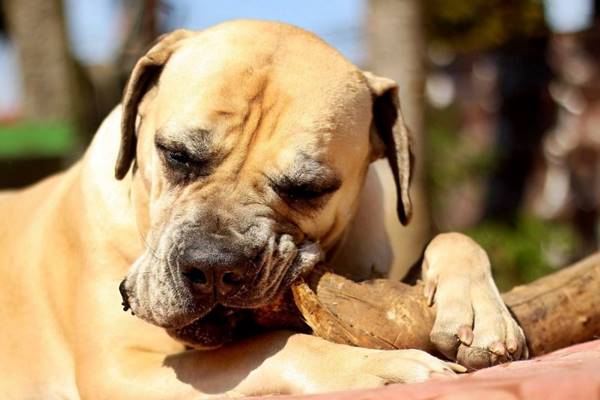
(199, 276)
(124, 296)
(230, 280)
(208, 271)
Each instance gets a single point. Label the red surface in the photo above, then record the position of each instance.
(569, 374)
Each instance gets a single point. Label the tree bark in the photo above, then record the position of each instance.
(555, 311)
(56, 87)
(48, 71)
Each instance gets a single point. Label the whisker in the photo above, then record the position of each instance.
(147, 245)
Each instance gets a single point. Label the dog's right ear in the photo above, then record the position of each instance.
(145, 73)
(391, 139)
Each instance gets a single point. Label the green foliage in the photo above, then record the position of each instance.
(520, 250)
(469, 25)
(526, 250)
(450, 157)
(37, 139)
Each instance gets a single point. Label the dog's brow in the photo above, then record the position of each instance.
(307, 166)
(195, 141)
(313, 173)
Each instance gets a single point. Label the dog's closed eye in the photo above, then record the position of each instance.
(181, 162)
(307, 184)
(178, 158)
(301, 189)
(293, 190)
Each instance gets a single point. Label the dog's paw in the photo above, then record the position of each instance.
(404, 366)
(315, 365)
(358, 368)
(473, 325)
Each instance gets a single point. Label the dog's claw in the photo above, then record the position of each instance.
(498, 348)
(465, 335)
(429, 291)
(511, 345)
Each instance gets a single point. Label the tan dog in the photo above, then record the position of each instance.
(243, 169)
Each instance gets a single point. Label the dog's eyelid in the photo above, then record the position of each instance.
(304, 187)
(170, 145)
(180, 148)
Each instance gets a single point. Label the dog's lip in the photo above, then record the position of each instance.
(224, 308)
(124, 296)
(212, 330)
(191, 318)
(215, 307)
(218, 309)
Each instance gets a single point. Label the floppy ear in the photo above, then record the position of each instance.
(390, 138)
(145, 73)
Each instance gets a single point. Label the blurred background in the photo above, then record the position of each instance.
(502, 96)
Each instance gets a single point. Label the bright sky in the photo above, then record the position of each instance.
(569, 15)
(9, 80)
(94, 26)
(95, 33)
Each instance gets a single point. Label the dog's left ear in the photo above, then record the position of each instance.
(144, 74)
(390, 138)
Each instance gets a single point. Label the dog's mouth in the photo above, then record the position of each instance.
(223, 324)
(204, 318)
(219, 326)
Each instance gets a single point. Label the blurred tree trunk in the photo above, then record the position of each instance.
(142, 30)
(396, 49)
(525, 114)
(141, 27)
(55, 87)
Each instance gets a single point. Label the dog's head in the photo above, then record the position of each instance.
(249, 143)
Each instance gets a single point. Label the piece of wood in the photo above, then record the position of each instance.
(381, 313)
(559, 309)
(555, 311)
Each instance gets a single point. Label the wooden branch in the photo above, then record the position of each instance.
(555, 311)
(560, 309)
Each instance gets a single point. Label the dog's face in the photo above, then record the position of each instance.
(251, 147)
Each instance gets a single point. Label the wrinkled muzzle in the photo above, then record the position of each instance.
(189, 272)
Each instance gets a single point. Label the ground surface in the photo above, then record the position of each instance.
(571, 373)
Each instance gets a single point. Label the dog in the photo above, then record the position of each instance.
(233, 165)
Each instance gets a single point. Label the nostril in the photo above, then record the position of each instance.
(196, 275)
(231, 278)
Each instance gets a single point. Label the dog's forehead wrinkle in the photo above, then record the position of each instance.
(325, 71)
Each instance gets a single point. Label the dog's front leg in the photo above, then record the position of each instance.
(275, 363)
(473, 326)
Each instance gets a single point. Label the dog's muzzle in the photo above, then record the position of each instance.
(199, 273)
